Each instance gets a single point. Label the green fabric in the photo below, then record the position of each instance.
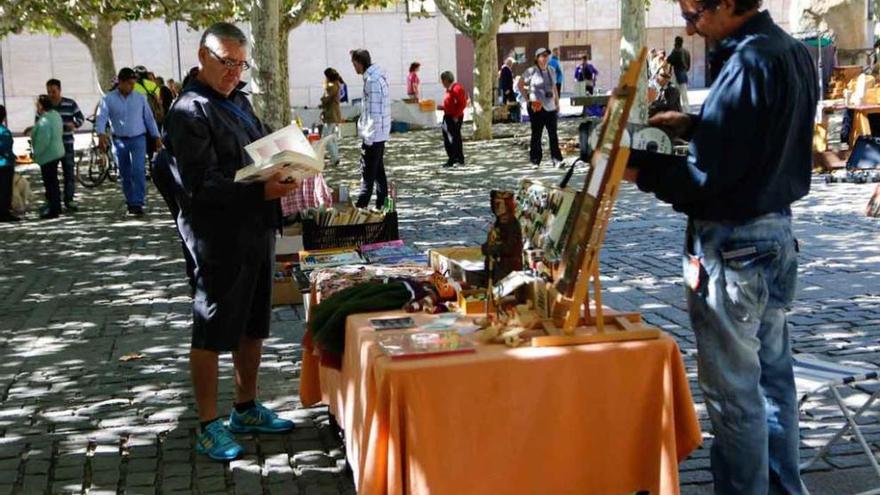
(327, 322)
(47, 138)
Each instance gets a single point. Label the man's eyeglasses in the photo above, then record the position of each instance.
(693, 18)
(229, 64)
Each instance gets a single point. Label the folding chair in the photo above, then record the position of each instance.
(813, 376)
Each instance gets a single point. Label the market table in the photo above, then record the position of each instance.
(600, 419)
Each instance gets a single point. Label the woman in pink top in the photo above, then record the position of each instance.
(412, 81)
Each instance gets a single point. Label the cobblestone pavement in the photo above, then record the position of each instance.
(79, 292)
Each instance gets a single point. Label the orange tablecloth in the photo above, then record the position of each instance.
(597, 419)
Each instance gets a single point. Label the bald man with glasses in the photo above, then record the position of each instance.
(227, 229)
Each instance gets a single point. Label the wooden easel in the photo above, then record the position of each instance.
(580, 262)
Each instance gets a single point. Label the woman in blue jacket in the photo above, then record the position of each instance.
(7, 170)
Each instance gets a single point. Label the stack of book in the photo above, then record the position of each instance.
(343, 215)
(328, 258)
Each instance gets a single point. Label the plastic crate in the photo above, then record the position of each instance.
(343, 236)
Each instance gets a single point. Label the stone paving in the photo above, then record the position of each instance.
(80, 292)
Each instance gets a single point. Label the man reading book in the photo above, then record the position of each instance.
(228, 230)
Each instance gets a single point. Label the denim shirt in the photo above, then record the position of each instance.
(751, 148)
(129, 116)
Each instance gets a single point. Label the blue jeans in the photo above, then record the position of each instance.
(68, 169)
(130, 156)
(740, 279)
(332, 143)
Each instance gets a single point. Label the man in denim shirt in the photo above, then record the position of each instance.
(749, 159)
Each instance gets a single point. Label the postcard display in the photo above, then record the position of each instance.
(576, 317)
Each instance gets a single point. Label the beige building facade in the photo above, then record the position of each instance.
(30, 59)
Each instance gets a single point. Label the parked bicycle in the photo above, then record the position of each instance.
(94, 166)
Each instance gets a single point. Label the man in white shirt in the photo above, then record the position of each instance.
(374, 127)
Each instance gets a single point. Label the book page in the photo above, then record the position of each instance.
(286, 151)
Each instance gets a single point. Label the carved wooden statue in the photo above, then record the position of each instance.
(503, 247)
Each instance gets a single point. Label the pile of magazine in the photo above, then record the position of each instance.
(342, 215)
(392, 253)
(328, 258)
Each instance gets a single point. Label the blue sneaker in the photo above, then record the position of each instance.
(258, 419)
(216, 441)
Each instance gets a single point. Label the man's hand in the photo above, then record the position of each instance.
(275, 188)
(158, 145)
(676, 123)
(631, 174)
(102, 142)
(69, 126)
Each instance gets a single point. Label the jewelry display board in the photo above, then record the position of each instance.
(580, 259)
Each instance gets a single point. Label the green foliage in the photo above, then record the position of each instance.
(468, 15)
(56, 16)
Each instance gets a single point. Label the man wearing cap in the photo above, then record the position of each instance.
(131, 120)
(539, 83)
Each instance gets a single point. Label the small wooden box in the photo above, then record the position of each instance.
(285, 290)
(462, 264)
(473, 307)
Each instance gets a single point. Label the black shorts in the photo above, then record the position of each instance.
(232, 300)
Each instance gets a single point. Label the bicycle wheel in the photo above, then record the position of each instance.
(98, 166)
(86, 168)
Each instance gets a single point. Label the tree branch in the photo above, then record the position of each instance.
(298, 14)
(493, 13)
(74, 28)
(457, 17)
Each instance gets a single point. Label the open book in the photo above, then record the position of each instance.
(286, 151)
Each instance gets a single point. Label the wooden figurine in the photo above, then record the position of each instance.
(503, 247)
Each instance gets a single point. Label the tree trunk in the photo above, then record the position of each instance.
(99, 42)
(283, 96)
(269, 83)
(484, 76)
(101, 50)
(632, 15)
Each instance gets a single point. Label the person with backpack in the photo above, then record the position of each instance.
(146, 86)
(538, 82)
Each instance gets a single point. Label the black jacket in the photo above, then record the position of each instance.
(220, 220)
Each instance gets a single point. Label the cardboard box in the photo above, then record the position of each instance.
(285, 289)
(473, 307)
(461, 264)
(288, 244)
